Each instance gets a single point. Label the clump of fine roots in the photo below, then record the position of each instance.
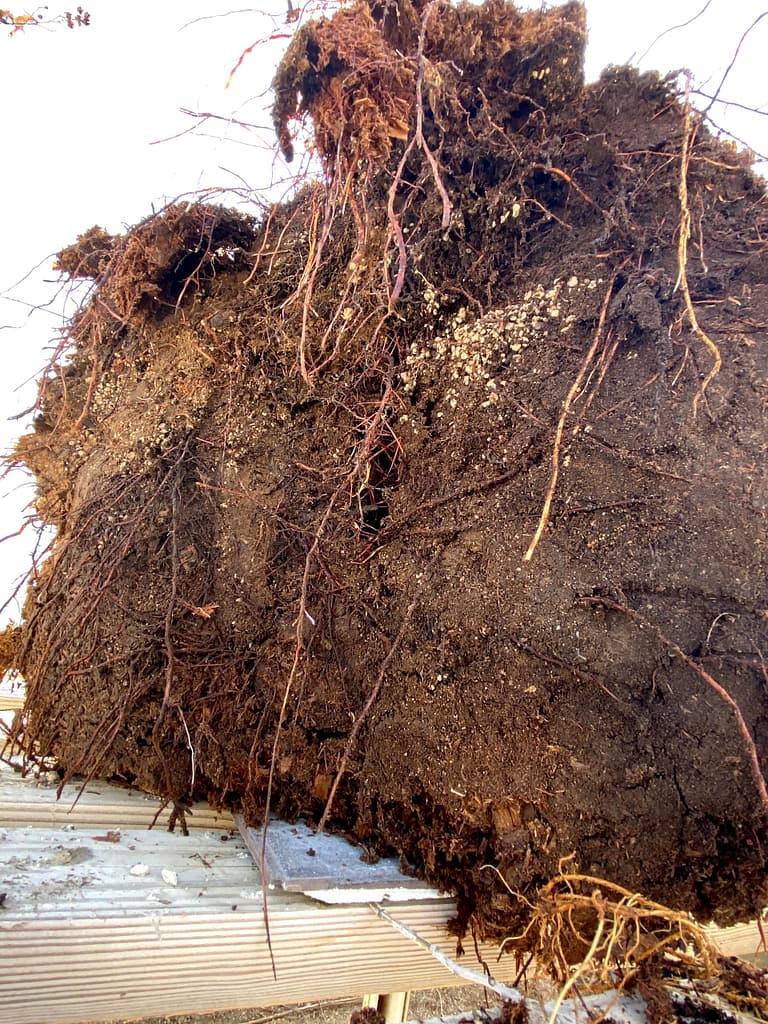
(592, 936)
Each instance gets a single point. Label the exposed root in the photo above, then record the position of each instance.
(364, 713)
(684, 233)
(299, 627)
(565, 412)
(591, 935)
(170, 655)
(417, 140)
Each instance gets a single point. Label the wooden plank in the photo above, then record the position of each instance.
(11, 693)
(29, 801)
(88, 873)
(67, 972)
(393, 1006)
(742, 940)
(81, 938)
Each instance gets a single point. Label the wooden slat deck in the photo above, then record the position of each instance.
(33, 802)
(83, 939)
(11, 693)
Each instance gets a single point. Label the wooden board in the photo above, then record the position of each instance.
(32, 801)
(11, 694)
(69, 969)
(742, 940)
(83, 939)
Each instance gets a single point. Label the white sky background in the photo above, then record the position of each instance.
(82, 108)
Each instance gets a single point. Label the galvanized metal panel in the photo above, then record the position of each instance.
(328, 867)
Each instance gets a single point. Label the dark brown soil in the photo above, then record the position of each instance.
(299, 462)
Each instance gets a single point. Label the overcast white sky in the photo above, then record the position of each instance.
(84, 109)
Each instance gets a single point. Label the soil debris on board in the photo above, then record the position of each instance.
(433, 499)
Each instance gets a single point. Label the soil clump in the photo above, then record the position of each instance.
(420, 502)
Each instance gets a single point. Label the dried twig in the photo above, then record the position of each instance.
(301, 1008)
(733, 60)
(673, 28)
(511, 995)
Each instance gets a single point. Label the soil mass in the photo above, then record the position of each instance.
(425, 485)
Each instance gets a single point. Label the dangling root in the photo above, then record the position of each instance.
(689, 139)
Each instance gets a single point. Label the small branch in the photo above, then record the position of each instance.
(672, 28)
(511, 995)
(728, 70)
(730, 103)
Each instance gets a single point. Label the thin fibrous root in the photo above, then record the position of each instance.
(689, 139)
(417, 140)
(574, 390)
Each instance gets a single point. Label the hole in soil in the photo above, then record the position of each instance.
(172, 283)
(382, 476)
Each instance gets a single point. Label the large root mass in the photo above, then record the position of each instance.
(422, 497)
